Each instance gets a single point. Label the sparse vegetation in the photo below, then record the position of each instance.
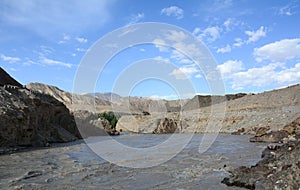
(110, 117)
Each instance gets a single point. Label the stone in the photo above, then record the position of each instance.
(271, 137)
(166, 126)
(262, 131)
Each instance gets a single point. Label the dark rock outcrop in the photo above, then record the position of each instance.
(271, 137)
(33, 119)
(29, 118)
(6, 79)
(166, 126)
(280, 164)
(289, 130)
(279, 169)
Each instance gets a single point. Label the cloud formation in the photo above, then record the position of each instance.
(279, 51)
(173, 11)
(254, 36)
(9, 59)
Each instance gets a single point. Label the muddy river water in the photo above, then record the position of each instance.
(75, 166)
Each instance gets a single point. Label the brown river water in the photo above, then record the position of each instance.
(75, 166)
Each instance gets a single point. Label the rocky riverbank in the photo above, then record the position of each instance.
(280, 164)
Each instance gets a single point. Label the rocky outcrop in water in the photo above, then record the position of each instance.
(280, 164)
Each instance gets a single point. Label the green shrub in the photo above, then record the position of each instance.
(110, 117)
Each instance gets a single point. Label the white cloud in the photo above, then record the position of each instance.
(80, 49)
(271, 74)
(161, 45)
(167, 97)
(225, 49)
(81, 40)
(279, 51)
(227, 24)
(286, 10)
(209, 34)
(135, 18)
(160, 58)
(65, 39)
(230, 67)
(179, 57)
(173, 11)
(51, 62)
(256, 35)
(9, 59)
(184, 72)
(198, 76)
(238, 42)
(176, 36)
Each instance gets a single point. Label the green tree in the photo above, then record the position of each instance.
(110, 117)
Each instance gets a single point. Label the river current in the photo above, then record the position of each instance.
(75, 166)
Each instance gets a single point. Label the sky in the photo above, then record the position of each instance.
(255, 44)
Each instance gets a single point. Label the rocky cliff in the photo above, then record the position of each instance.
(29, 118)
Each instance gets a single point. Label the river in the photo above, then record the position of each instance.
(75, 166)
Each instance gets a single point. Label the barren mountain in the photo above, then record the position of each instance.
(72, 101)
(240, 113)
(246, 115)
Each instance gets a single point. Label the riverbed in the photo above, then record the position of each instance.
(75, 166)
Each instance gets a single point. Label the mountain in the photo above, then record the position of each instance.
(6, 79)
(72, 101)
(107, 96)
(242, 114)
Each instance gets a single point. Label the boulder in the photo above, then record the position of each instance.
(166, 126)
(262, 131)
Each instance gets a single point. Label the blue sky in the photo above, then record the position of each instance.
(256, 44)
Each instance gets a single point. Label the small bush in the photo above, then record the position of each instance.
(110, 117)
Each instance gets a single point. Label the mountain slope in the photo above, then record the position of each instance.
(6, 79)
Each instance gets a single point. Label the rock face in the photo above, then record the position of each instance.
(166, 126)
(33, 119)
(289, 130)
(279, 167)
(200, 101)
(30, 118)
(271, 137)
(6, 79)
